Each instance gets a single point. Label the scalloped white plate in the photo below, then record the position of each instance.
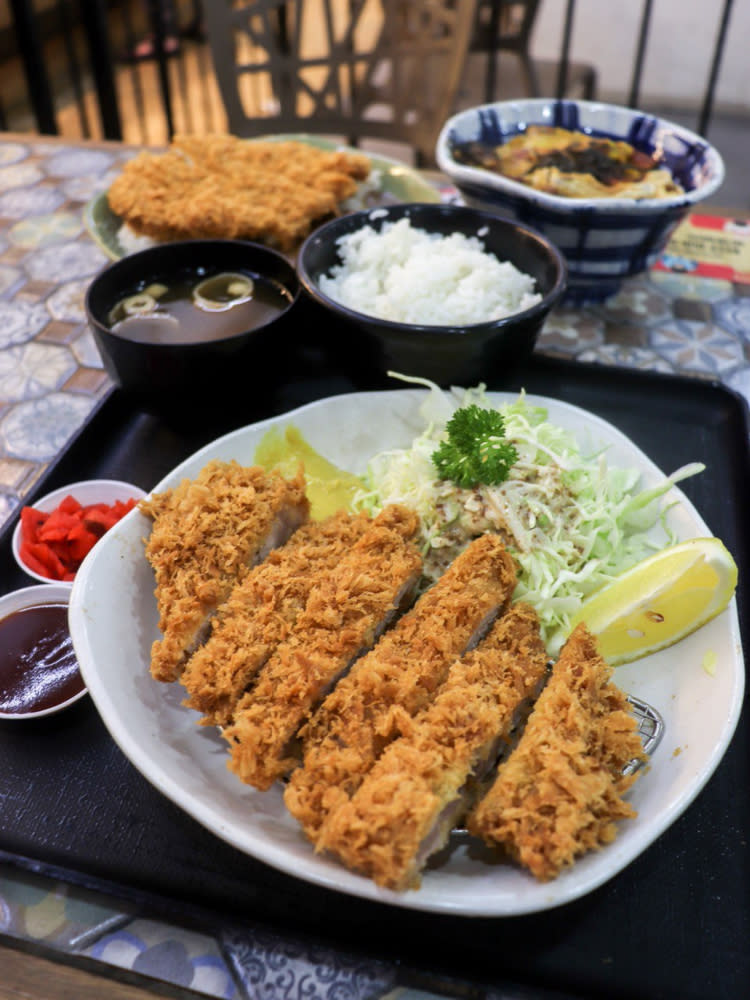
(113, 622)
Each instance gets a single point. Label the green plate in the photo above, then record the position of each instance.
(393, 182)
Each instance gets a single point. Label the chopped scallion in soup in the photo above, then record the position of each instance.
(197, 306)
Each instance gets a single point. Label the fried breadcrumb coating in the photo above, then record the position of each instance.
(219, 186)
(348, 607)
(207, 532)
(419, 788)
(396, 679)
(261, 611)
(559, 794)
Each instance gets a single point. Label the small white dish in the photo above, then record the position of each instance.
(69, 688)
(86, 492)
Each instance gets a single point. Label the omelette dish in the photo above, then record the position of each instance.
(573, 164)
(390, 714)
(221, 187)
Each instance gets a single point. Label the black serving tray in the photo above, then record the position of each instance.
(674, 924)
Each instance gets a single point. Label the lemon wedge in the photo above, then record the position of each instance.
(661, 599)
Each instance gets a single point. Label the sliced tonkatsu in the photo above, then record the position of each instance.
(421, 786)
(377, 699)
(207, 532)
(348, 607)
(560, 792)
(261, 611)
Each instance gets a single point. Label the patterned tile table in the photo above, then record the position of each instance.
(51, 378)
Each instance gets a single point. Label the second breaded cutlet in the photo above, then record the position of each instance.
(395, 680)
(560, 793)
(261, 611)
(347, 609)
(221, 186)
(206, 533)
(407, 805)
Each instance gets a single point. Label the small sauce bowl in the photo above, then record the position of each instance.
(39, 672)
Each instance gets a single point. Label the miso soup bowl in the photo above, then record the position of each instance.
(196, 379)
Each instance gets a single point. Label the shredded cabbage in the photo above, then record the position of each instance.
(572, 521)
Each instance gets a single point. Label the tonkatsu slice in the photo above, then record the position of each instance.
(375, 702)
(560, 792)
(347, 609)
(261, 611)
(206, 533)
(420, 788)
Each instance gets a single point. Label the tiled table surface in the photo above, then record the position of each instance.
(51, 378)
(51, 375)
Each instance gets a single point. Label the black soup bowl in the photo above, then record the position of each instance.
(457, 355)
(174, 365)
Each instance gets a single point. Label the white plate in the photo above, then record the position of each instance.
(113, 622)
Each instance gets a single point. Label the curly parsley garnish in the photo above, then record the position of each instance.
(475, 449)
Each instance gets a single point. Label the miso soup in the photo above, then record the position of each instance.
(198, 306)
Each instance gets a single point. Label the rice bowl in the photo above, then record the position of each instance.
(408, 275)
(447, 352)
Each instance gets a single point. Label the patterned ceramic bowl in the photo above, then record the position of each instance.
(603, 239)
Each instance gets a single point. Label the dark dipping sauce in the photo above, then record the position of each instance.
(38, 667)
(198, 306)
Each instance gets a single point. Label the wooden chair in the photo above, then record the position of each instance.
(357, 69)
(504, 27)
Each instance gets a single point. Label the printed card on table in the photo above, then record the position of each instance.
(711, 247)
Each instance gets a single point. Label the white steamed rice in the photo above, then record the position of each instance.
(408, 275)
(131, 242)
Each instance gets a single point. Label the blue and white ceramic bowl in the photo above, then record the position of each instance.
(604, 240)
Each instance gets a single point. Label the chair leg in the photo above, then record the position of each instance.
(589, 85)
(531, 76)
(490, 77)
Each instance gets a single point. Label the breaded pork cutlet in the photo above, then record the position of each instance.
(347, 609)
(416, 792)
(261, 611)
(559, 794)
(395, 680)
(220, 186)
(206, 533)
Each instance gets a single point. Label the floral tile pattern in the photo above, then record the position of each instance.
(59, 915)
(181, 957)
(661, 322)
(275, 969)
(238, 963)
(698, 347)
(51, 375)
